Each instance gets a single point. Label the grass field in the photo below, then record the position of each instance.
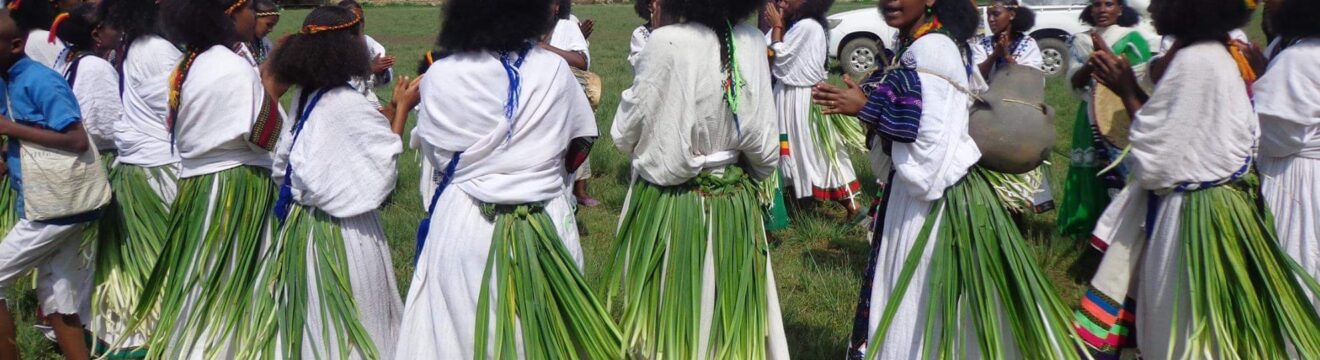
(819, 260)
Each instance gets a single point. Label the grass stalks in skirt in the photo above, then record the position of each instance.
(538, 295)
(132, 234)
(660, 264)
(308, 240)
(204, 280)
(982, 269)
(1248, 297)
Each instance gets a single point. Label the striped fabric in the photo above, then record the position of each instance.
(1105, 325)
(783, 145)
(266, 130)
(893, 109)
(839, 193)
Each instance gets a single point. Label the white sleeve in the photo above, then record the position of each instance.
(567, 36)
(800, 58)
(979, 52)
(635, 46)
(101, 107)
(1030, 54)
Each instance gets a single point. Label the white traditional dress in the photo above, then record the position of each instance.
(568, 36)
(367, 85)
(342, 158)
(696, 162)
(501, 161)
(816, 162)
(207, 273)
(1191, 140)
(93, 81)
(1290, 149)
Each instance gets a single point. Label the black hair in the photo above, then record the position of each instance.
(430, 57)
(565, 9)
(495, 25)
(198, 24)
(1023, 17)
(1296, 19)
(265, 6)
(643, 10)
(314, 60)
(1198, 20)
(349, 4)
(1129, 18)
(33, 14)
(960, 19)
(133, 18)
(813, 10)
(76, 30)
(717, 15)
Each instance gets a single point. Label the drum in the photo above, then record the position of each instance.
(1011, 124)
(591, 85)
(1110, 116)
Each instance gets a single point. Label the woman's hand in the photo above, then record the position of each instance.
(1001, 47)
(407, 94)
(847, 101)
(1115, 72)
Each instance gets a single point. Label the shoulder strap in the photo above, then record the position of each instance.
(71, 74)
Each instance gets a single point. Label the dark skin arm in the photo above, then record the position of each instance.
(73, 139)
(1001, 52)
(1115, 73)
(575, 59)
(848, 101)
(406, 97)
(1083, 76)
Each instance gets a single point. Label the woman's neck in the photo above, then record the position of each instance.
(909, 32)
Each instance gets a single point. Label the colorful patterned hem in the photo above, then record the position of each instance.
(1104, 325)
(846, 192)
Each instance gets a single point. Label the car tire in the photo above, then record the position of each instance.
(860, 57)
(1054, 54)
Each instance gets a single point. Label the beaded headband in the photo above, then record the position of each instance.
(430, 59)
(234, 8)
(275, 12)
(1251, 5)
(312, 29)
(56, 25)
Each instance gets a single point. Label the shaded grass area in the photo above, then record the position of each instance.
(819, 261)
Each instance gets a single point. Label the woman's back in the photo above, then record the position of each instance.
(675, 120)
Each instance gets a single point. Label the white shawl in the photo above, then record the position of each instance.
(221, 100)
(1287, 103)
(97, 89)
(41, 49)
(1198, 126)
(344, 158)
(465, 96)
(140, 134)
(944, 150)
(673, 122)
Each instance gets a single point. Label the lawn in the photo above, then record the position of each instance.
(819, 260)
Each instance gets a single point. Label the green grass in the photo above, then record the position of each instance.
(819, 261)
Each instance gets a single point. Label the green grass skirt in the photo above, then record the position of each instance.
(538, 295)
(659, 268)
(8, 205)
(131, 233)
(1248, 297)
(981, 269)
(280, 314)
(204, 280)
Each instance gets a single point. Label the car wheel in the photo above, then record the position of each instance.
(1054, 52)
(860, 57)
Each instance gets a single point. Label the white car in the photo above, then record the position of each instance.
(857, 37)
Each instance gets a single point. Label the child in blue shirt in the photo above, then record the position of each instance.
(41, 109)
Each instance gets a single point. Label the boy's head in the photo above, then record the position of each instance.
(11, 40)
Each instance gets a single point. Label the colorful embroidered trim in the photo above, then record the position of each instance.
(56, 25)
(312, 29)
(234, 8)
(839, 193)
(783, 145)
(176, 87)
(265, 131)
(1104, 325)
(268, 13)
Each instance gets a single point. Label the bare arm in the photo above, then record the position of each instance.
(74, 139)
(575, 59)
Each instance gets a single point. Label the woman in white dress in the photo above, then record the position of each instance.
(816, 161)
(1290, 132)
(1086, 191)
(922, 275)
(645, 10)
(333, 287)
(1189, 249)
(502, 117)
(118, 280)
(223, 122)
(569, 42)
(692, 252)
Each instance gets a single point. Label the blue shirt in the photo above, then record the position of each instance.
(37, 97)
